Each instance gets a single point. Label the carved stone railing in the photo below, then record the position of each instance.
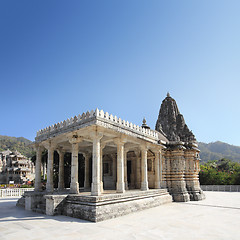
(221, 188)
(14, 192)
(100, 115)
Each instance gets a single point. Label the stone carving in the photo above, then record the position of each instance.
(172, 123)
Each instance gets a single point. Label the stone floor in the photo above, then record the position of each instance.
(217, 217)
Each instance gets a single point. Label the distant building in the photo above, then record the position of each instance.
(15, 167)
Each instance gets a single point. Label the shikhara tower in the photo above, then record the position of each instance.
(172, 123)
(181, 158)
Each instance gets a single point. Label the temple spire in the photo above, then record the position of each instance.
(172, 123)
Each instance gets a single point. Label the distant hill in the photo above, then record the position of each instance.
(209, 151)
(20, 144)
(218, 150)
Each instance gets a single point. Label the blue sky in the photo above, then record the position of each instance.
(62, 58)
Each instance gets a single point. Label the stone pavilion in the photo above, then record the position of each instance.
(126, 167)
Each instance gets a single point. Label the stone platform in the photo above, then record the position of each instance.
(97, 208)
(113, 205)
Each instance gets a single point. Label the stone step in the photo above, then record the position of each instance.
(38, 210)
(41, 206)
(21, 202)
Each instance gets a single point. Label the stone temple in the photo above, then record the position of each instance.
(126, 168)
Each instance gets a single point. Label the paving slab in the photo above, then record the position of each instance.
(216, 217)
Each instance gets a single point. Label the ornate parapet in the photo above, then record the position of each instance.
(99, 118)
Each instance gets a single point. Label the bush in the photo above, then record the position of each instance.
(221, 172)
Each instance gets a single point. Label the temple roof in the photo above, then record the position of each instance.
(171, 122)
(102, 119)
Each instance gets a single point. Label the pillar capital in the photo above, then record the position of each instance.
(144, 147)
(38, 147)
(49, 145)
(156, 150)
(137, 152)
(86, 154)
(103, 145)
(75, 138)
(96, 135)
(119, 141)
(60, 150)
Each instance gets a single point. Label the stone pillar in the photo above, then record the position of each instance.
(86, 176)
(125, 170)
(166, 169)
(44, 170)
(138, 169)
(96, 184)
(157, 170)
(61, 170)
(133, 173)
(49, 185)
(120, 167)
(38, 186)
(191, 175)
(160, 167)
(114, 168)
(101, 166)
(144, 178)
(74, 185)
(178, 188)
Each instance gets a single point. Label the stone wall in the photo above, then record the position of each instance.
(97, 209)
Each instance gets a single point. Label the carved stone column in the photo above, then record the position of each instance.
(191, 174)
(160, 166)
(178, 185)
(44, 167)
(39, 150)
(49, 185)
(114, 168)
(120, 167)
(133, 173)
(144, 178)
(61, 169)
(96, 179)
(157, 169)
(101, 166)
(166, 169)
(125, 169)
(138, 169)
(74, 185)
(86, 176)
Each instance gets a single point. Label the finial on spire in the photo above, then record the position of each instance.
(144, 120)
(144, 124)
(168, 94)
